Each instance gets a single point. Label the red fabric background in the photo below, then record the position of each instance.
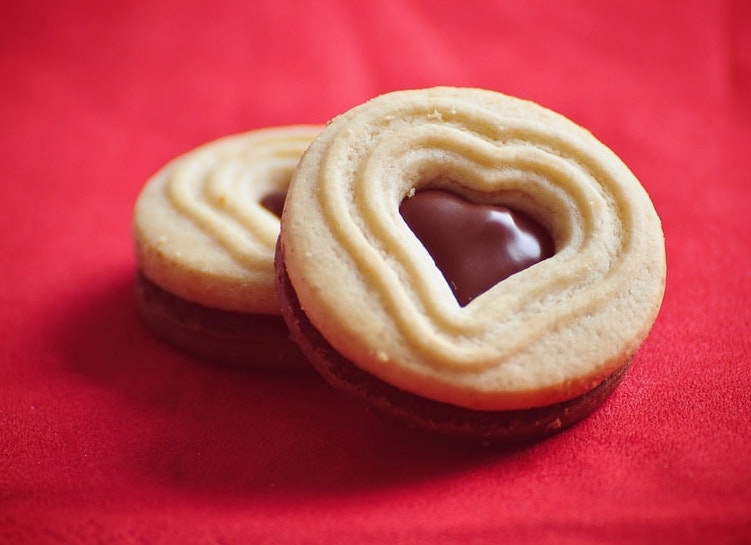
(106, 436)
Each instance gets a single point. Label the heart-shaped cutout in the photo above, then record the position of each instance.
(474, 245)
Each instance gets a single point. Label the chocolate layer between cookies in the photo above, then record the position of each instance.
(484, 427)
(260, 341)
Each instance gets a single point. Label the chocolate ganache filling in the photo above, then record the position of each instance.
(274, 202)
(474, 245)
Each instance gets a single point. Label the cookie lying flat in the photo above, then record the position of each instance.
(205, 227)
(531, 343)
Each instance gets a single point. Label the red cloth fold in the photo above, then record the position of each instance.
(107, 436)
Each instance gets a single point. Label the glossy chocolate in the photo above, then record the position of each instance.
(274, 202)
(474, 245)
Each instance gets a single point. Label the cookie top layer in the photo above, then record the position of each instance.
(544, 335)
(200, 229)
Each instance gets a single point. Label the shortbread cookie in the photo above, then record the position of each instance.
(205, 229)
(538, 341)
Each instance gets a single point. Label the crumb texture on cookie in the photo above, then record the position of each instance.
(200, 229)
(544, 335)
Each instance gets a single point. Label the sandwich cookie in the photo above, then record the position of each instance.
(468, 262)
(205, 228)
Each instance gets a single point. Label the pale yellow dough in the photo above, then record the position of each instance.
(547, 334)
(199, 228)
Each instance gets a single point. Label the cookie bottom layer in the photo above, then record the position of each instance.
(256, 341)
(514, 426)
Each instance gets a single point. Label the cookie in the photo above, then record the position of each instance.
(205, 228)
(399, 197)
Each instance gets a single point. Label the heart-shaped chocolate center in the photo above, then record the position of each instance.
(474, 245)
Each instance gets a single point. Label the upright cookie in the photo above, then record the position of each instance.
(205, 228)
(531, 343)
